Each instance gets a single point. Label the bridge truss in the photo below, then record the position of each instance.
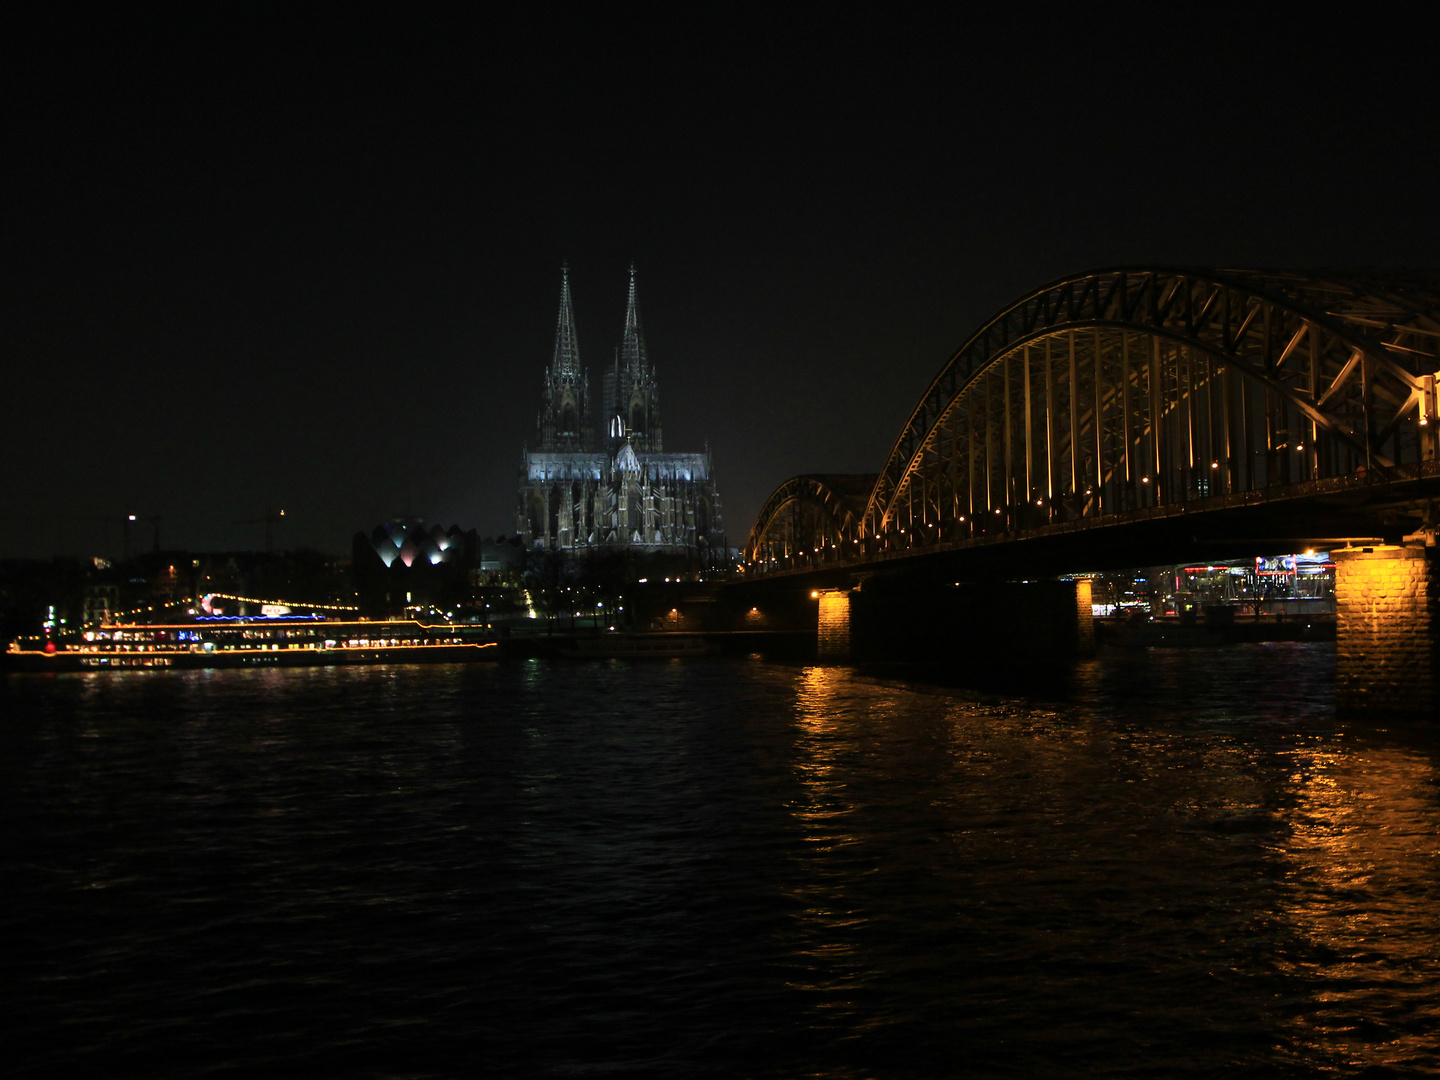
(814, 514)
(1123, 390)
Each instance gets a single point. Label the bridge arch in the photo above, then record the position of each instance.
(809, 515)
(1140, 387)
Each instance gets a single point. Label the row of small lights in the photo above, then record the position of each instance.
(145, 608)
(999, 510)
(1299, 447)
(279, 603)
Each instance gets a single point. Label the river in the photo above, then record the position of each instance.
(1167, 863)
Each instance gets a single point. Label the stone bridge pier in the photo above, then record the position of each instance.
(832, 629)
(1386, 630)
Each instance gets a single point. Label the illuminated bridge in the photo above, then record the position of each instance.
(1141, 415)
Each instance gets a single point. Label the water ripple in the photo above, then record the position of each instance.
(1180, 864)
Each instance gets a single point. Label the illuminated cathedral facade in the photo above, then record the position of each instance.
(604, 481)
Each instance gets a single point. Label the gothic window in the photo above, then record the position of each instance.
(537, 518)
(569, 423)
(555, 513)
(702, 518)
(637, 417)
(634, 507)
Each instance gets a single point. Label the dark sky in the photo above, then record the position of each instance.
(252, 260)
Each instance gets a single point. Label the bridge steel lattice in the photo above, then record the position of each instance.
(816, 514)
(1118, 392)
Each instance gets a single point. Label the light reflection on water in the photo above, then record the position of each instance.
(1365, 855)
(1178, 862)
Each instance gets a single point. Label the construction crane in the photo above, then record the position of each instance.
(270, 520)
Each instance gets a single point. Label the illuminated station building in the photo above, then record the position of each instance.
(606, 483)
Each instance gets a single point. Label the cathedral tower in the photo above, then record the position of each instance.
(631, 398)
(620, 492)
(564, 420)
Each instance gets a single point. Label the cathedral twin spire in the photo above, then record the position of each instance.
(601, 479)
(630, 398)
(632, 343)
(564, 420)
(567, 345)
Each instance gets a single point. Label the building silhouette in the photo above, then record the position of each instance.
(605, 483)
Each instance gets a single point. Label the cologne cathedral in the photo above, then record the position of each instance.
(605, 483)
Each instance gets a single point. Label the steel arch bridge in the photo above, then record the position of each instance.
(816, 514)
(1138, 391)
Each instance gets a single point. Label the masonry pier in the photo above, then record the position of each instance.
(1385, 630)
(832, 633)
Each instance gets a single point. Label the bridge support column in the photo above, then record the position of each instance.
(1084, 617)
(833, 631)
(1386, 630)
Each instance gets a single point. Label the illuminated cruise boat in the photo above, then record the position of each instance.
(246, 641)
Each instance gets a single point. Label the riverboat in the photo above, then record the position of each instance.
(243, 641)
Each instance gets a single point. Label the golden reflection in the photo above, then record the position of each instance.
(816, 693)
(1319, 849)
(834, 713)
(819, 694)
(1363, 856)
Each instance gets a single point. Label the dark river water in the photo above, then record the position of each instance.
(1173, 863)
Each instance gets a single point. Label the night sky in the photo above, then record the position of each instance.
(258, 261)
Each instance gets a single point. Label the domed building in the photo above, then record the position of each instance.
(606, 483)
(401, 564)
